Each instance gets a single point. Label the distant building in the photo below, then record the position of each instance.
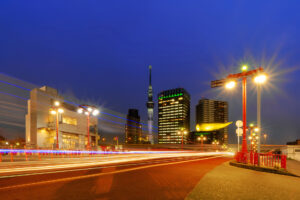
(297, 142)
(41, 124)
(133, 129)
(213, 111)
(173, 115)
(150, 107)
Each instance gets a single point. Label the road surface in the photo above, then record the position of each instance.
(155, 178)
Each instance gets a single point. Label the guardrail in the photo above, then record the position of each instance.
(262, 159)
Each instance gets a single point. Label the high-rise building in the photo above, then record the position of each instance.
(150, 106)
(213, 111)
(133, 129)
(41, 124)
(173, 115)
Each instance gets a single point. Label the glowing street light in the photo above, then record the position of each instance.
(259, 79)
(226, 82)
(230, 84)
(56, 103)
(88, 110)
(244, 68)
(201, 138)
(55, 110)
(265, 137)
(182, 132)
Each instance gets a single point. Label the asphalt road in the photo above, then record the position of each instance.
(164, 178)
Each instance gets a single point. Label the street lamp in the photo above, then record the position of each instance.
(244, 68)
(201, 138)
(182, 132)
(55, 110)
(254, 138)
(88, 110)
(215, 142)
(259, 79)
(227, 82)
(230, 84)
(265, 137)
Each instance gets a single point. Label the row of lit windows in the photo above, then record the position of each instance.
(172, 112)
(162, 123)
(69, 120)
(165, 116)
(170, 106)
(171, 120)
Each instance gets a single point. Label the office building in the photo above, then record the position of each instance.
(41, 122)
(133, 129)
(211, 115)
(173, 116)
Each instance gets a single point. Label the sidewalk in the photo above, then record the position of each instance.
(293, 166)
(229, 182)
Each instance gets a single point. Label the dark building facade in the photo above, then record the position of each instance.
(213, 111)
(173, 115)
(297, 142)
(133, 129)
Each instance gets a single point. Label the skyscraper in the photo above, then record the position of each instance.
(213, 111)
(133, 129)
(173, 115)
(150, 106)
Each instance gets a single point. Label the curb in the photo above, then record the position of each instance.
(262, 169)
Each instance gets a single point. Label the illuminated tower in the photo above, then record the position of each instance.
(150, 106)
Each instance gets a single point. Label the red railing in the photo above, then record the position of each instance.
(262, 159)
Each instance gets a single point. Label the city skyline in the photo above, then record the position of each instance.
(90, 56)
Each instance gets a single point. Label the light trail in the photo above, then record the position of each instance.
(101, 161)
(100, 118)
(8, 83)
(104, 173)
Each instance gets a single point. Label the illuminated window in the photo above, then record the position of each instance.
(69, 120)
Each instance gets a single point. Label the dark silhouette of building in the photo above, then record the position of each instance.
(133, 129)
(297, 142)
(173, 115)
(213, 111)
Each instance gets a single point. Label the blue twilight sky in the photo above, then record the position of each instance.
(99, 51)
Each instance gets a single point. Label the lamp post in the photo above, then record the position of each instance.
(254, 138)
(265, 137)
(230, 82)
(215, 143)
(88, 110)
(259, 80)
(182, 132)
(55, 110)
(201, 138)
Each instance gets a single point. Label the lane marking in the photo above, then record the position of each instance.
(102, 174)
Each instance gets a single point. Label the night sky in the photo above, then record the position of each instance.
(100, 51)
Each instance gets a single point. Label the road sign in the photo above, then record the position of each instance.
(239, 123)
(217, 83)
(239, 131)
